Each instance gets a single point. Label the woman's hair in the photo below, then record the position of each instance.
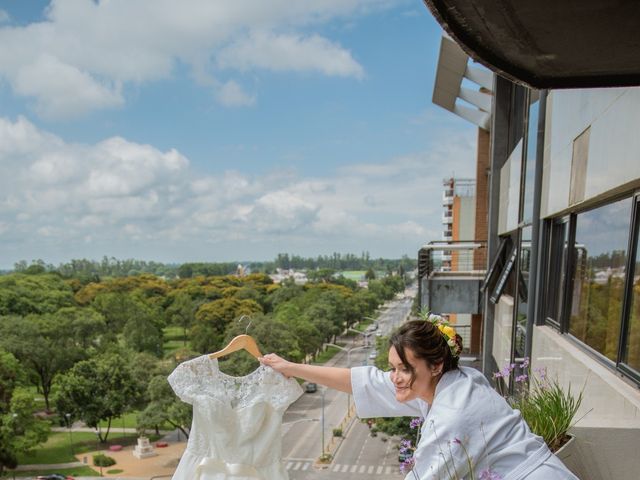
(426, 342)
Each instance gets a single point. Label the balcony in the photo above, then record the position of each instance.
(447, 218)
(447, 197)
(450, 275)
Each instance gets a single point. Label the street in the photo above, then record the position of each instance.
(359, 455)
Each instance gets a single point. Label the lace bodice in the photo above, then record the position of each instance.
(236, 421)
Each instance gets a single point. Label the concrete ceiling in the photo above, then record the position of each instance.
(549, 43)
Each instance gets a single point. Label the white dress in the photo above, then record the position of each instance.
(236, 428)
(466, 412)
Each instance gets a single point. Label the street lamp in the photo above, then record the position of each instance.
(322, 423)
(68, 415)
(348, 350)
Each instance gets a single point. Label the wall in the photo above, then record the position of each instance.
(608, 432)
(613, 158)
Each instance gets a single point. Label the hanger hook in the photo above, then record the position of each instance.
(246, 330)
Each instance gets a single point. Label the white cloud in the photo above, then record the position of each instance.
(62, 90)
(84, 54)
(91, 198)
(232, 95)
(280, 52)
(4, 16)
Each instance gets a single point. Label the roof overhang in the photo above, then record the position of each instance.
(548, 43)
(453, 67)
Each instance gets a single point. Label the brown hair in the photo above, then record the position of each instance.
(426, 342)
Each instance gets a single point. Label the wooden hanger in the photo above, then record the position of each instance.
(241, 342)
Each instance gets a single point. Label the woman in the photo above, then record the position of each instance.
(467, 424)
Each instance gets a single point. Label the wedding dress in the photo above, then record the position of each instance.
(236, 428)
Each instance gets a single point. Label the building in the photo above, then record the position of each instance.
(562, 282)
(458, 217)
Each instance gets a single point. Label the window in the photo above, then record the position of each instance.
(599, 274)
(520, 324)
(530, 161)
(631, 351)
(556, 267)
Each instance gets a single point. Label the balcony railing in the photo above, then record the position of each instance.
(450, 274)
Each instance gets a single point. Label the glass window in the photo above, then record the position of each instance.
(556, 270)
(632, 350)
(530, 162)
(520, 335)
(602, 237)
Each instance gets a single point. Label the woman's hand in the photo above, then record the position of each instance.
(332, 377)
(279, 364)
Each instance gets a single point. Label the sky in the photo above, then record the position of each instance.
(221, 130)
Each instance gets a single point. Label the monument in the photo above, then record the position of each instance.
(143, 449)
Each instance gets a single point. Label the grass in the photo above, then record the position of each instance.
(76, 471)
(356, 275)
(130, 421)
(327, 355)
(57, 450)
(173, 339)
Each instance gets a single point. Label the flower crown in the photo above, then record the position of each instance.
(445, 328)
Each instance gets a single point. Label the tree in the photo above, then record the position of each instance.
(212, 319)
(182, 312)
(22, 294)
(370, 274)
(164, 406)
(139, 321)
(44, 343)
(20, 430)
(99, 389)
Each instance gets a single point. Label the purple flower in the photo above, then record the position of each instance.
(541, 371)
(521, 378)
(525, 362)
(416, 422)
(488, 474)
(457, 441)
(506, 371)
(407, 465)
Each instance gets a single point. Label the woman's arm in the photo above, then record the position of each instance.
(332, 377)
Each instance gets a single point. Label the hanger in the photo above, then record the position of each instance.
(241, 342)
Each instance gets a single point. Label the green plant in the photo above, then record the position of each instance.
(337, 432)
(101, 460)
(325, 458)
(544, 404)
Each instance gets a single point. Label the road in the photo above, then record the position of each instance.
(359, 455)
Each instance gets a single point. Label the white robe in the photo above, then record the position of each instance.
(467, 413)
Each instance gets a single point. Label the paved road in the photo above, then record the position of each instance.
(359, 455)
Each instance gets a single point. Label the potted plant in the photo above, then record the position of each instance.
(547, 407)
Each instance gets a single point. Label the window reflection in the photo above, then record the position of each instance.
(633, 339)
(556, 270)
(530, 162)
(520, 338)
(599, 275)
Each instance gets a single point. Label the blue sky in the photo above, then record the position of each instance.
(209, 130)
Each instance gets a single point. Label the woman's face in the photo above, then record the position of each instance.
(426, 377)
